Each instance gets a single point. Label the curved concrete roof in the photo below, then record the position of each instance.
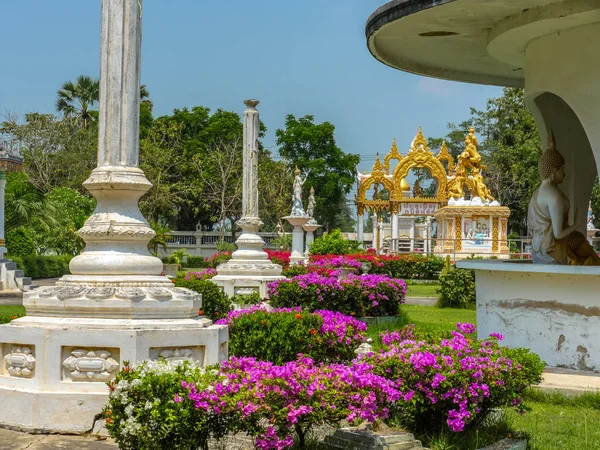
(477, 41)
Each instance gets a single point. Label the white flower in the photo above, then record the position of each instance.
(148, 405)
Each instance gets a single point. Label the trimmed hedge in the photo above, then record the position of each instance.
(37, 267)
(411, 266)
(195, 262)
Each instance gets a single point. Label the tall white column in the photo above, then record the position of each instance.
(412, 235)
(374, 225)
(249, 269)
(360, 230)
(116, 234)
(116, 306)
(2, 193)
(395, 231)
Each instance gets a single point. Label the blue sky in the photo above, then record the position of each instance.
(300, 57)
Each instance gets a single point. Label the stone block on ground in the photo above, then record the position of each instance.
(366, 439)
(508, 444)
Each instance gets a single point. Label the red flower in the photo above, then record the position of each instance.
(313, 331)
(200, 312)
(299, 316)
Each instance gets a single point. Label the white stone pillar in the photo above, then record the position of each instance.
(297, 237)
(374, 225)
(310, 228)
(116, 234)
(249, 263)
(2, 193)
(360, 230)
(412, 235)
(395, 231)
(116, 306)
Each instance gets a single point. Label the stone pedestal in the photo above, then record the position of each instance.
(549, 309)
(310, 227)
(357, 439)
(115, 307)
(297, 237)
(249, 269)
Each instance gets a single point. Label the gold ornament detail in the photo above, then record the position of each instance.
(444, 155)
(393, 154)
(495, 235)
(458, 241)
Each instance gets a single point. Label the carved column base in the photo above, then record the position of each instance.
(116, 234)
(115, 297)
(53, 371)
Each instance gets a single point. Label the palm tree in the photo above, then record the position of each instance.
(76, 100)
(160, 239)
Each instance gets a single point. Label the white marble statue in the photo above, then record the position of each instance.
(297, 207)
(554, 241)
(310, 210)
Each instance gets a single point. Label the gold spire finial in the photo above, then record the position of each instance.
(419, 142)
(297, 171)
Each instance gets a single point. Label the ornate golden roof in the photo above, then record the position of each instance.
(450, 183)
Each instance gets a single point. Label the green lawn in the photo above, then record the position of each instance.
(557, 422)
(429, 319)
(422, 290)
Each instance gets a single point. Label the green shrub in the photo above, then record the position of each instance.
(457, 288)
(247, 299)
(141, 413)
(280, 336)
(215, 304)
(219, 258)
(296, 269)
(412, 266)
(38, 267)
(19, 242)
(333, 243)
(195, 262)
(224, 246)
(9, 313)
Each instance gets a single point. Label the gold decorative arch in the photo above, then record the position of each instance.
(444, 155)
(451, 183)
(393, 154)
(377, 176)
(420, 156)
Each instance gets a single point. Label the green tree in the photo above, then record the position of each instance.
(312, 146)
(72, 209)
(75, 100)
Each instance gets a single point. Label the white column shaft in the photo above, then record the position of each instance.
(310, 238)
(2, 193)
(250, 177)
(360, 230)
(119, 107)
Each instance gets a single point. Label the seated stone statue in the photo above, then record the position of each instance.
(554, 241)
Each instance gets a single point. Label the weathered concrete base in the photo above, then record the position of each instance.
(355, 439)
(550, 309)
(54, 370)
(244, 278)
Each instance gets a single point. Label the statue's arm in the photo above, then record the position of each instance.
(557, 214)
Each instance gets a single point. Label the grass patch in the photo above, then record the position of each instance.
(557, 422)
(422, 290)
(429, 319)
(485, 434)
(7, 313)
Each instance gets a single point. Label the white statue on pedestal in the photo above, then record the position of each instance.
(310, 210)
(554, 241)
(297, 207)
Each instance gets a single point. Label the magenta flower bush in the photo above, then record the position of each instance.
(273, 402)
(205, 274)
(452, 381)
(334, 262)
(282, 334)
(359, 296)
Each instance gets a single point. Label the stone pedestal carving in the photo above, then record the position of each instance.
(115, 306)
(249, 269)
